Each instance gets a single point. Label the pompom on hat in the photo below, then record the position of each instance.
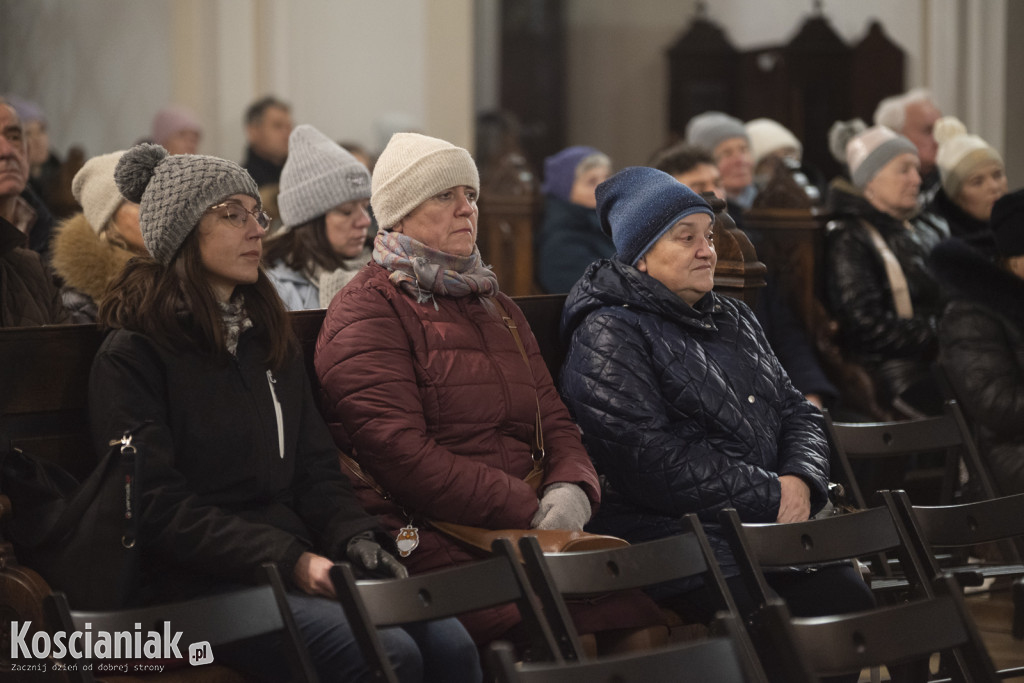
(768, 136)
(960, 154)
(412, 169)
(1007, 223)
(318, 176)
(639, 204)
(95, 189)
(868, 151)
(173, 192)
(710, 129)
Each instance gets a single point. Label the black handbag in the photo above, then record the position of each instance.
(79, 536)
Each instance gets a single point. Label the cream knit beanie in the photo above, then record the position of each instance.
(959, 154)
(768, 136)
(94, 188)
(413, 168)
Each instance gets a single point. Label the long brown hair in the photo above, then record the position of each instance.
(175, 305)
(302, 245)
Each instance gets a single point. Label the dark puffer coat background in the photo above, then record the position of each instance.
(682, 409)
(982, 340)
(896, 351)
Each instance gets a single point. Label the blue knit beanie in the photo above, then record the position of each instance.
(639, 204)
(560, 170)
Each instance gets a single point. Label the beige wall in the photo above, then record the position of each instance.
(101, 69)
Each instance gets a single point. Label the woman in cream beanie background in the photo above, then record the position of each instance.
(91, 247)
(324, 201)
(973, 177)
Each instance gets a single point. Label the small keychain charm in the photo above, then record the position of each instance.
(407, 540)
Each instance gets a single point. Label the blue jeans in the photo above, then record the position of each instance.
(431, 651)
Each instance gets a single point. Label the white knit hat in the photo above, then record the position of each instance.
(318, 176)
(94, 188)
(768, 136)
(871, 150)
(413, 168)
(959, 154)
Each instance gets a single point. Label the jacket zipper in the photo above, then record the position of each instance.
(277, 413)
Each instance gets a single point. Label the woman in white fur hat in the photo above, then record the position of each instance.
(91, 248)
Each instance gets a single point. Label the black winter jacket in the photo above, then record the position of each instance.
(896, 351)
(976, 233)
(682, 409)
(570, 239)
(223, 488)
(982, 340)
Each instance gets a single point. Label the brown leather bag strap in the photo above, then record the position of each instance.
(538, 433)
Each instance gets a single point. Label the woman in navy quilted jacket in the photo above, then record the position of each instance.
(683, 406)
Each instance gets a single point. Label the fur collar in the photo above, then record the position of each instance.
(977, 279)
(84, 260)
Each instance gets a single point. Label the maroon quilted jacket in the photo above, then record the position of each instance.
(438, 407)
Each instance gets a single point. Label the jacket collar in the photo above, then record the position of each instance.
(612, 283)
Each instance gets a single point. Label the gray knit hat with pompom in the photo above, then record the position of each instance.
(173, 192)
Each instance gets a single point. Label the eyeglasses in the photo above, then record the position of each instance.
(237, 214)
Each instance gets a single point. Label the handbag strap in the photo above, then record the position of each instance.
(893, 272)
(538, 432)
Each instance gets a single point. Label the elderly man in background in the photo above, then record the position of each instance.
(18, 204)
(913, 114)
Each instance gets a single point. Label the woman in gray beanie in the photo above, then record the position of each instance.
(878, 284)
(239, 467)
(324, 202)
(90, 248)
(425, 384)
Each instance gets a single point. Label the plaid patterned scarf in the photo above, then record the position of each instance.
(424, 272)
(235, 320)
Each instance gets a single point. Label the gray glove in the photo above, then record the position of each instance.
(372, 560)
(563, 506)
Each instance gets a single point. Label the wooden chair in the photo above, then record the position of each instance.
(576, 575)
(217, 619)
(712, 660)
(874, 440)
(873, 535)
(434, 595)
(846, 644)
(969, 524)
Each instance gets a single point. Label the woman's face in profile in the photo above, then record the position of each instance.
(445, 222)
(585, 186)
(894, 188)
(981, 189)
(346, 227)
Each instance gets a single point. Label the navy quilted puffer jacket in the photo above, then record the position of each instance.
(682, 409)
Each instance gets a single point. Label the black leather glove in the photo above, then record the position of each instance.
(372, 560)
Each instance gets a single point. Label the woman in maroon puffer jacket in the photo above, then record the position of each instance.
(424, 385)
